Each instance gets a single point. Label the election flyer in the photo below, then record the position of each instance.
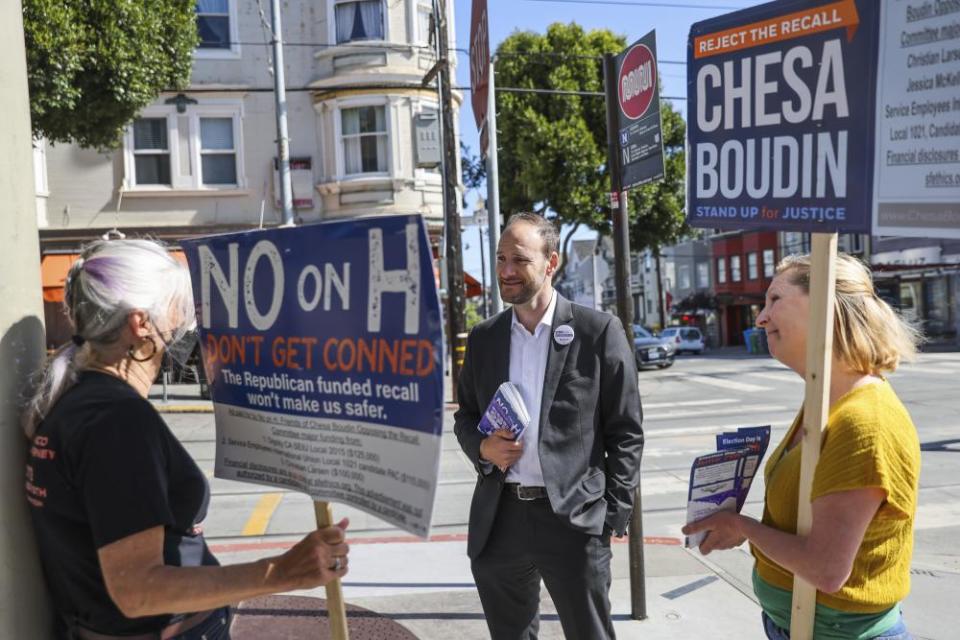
(721, 480)
(323, 347)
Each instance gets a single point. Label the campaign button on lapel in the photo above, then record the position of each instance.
(563, 334)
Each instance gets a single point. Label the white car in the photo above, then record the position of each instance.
(687, 339)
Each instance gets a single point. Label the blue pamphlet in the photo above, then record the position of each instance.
(505, 411)
(721, 480)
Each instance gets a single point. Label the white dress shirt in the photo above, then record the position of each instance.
(528, 368)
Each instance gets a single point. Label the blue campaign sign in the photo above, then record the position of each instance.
(781, 117)
(323, 346)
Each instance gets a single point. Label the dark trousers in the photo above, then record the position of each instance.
(529, 542)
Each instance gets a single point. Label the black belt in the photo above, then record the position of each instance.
(521, 492)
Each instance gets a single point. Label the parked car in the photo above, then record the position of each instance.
(650, 350)
(684, 339)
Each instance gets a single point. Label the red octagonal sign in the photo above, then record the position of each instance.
(638, 82)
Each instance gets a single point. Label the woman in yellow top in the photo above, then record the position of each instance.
(864, 493)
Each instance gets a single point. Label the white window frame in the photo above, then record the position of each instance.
(421, 39)
(753, 269)
(198, 148)
(721, 270)
(341, 162)
(233, 53)
(703, 275)
(736, 275)
(769, 273)
(332, 25)
(192, 181)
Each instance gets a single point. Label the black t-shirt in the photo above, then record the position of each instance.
(103, 465)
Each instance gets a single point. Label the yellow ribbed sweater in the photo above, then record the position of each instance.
(869, 441)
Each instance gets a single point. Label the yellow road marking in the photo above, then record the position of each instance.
(260, 518)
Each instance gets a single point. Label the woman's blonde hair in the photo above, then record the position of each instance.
(868, 335)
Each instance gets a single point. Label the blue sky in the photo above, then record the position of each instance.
(628, 19)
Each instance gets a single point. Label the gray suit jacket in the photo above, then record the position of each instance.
(590, 421)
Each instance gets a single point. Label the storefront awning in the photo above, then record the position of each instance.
(54, 268)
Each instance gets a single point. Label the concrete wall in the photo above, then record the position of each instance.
(23, 607)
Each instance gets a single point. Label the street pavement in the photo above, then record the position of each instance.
(426, 586)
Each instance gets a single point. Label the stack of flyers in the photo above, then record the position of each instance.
(752, 439)
(721, 480)
(506, 411)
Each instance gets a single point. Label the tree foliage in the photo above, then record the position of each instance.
(553, 155)
(94, 64)
(473, 171)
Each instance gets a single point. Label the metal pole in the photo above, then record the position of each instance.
(483, 272)
(493, 189)
(280, 97)
(638, 587)
(596, 285)
(621, 238)
(638, 590)
(24, 611)
(661, 307)
(455, 290)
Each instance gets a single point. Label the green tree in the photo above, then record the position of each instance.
(553, 156)
(473, 171)
(94, 64)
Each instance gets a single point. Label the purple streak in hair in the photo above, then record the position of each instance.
(98, 268)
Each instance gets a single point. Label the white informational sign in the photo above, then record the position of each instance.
(917, 179)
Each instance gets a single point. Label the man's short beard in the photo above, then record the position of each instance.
(525, 295)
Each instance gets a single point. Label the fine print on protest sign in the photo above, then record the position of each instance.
(781, 116)
(323, 348)
(918, 120)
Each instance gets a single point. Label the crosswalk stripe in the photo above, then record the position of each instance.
(688, 403)
(709, 430)
(726, 384)
(707, 413)
(777, 376)
(260, 518)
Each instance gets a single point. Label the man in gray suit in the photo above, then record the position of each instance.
(546, 504)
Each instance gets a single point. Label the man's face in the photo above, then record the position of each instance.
(522, 269)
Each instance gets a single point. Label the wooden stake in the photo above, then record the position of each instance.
(816, 409)
(336, 610)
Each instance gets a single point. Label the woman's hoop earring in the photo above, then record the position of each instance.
(153, 352)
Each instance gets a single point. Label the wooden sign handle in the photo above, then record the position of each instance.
(816, 409)
(336, 609)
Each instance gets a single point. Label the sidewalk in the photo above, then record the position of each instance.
(426, 587)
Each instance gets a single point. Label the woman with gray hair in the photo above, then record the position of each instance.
(117, 502)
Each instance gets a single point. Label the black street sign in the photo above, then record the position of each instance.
(637, 96)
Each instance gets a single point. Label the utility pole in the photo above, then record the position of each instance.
(493, 189)
(24, 608)
(280, 97)
(455, 292)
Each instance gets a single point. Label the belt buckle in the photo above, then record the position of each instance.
(522, 492)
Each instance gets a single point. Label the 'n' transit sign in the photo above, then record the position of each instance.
(781, 117)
